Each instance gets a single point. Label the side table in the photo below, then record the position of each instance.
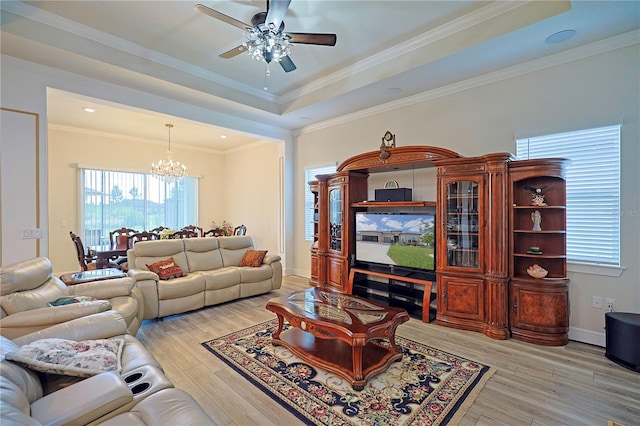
(92, 275)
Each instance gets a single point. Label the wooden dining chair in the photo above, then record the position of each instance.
(183, 233)
(214, 232)
(86, 260)
(142, 236)
(158, 230)
(194, 229)
(119, 239)
(240, 230)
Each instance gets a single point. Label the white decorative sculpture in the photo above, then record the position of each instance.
(536, 218)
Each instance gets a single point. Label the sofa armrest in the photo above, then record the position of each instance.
(84, 401)
(106, 289)
(98, 326)
(143, 274)
(270, 258)
(25, 322)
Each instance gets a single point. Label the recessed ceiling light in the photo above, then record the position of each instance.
(560, 37)
(223, 136)
(394, 90)
(87, 109)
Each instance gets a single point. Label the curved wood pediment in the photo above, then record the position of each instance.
(404, 157)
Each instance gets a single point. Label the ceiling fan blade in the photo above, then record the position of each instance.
(276, 9)
(221, 16)
(233, 52)
(311, 38)
(287, 64)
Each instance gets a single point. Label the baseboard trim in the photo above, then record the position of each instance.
(587, 336)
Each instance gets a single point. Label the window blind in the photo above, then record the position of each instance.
(593, 189)
(112, 200)
(310, 175)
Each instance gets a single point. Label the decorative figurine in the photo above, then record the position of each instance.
(536, 218)
(388, 141)
(537, 197)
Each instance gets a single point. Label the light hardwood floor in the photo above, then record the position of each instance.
(533, 385)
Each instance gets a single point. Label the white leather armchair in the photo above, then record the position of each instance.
(27, 288)
(140, 395)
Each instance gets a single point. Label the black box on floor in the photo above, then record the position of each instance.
(397, 194)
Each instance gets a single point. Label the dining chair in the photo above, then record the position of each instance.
(158, 230)
(193, 228)
(240, 230)
(87, 260)
(183, 233)
(119, 239)
(214, 232)
(142, 236)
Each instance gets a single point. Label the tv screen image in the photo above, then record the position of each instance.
(399, 239)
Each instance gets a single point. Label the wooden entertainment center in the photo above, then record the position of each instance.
(490, 228)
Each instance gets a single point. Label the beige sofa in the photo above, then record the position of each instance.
(212, 273)
(27, 288)
(139, 395)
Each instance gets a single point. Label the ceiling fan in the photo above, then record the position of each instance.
(265, 37)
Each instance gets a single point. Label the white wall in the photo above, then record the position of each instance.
(24, 86)
(599, 90)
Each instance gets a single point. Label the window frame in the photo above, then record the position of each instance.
(152, 190)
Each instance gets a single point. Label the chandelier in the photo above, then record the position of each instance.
(267, 46)
(167, 169)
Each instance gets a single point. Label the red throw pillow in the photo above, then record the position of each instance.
(253, 258)
(166, 269)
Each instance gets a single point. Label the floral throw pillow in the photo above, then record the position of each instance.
(166, 269)
(253, 258)
(83, 358)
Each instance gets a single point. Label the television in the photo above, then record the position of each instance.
(393, 239)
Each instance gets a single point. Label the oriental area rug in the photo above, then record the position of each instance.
(427, 387)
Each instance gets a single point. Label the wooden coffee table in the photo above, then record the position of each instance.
(339, 333)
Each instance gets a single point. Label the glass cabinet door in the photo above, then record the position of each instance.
(335, 219)
(463, 225)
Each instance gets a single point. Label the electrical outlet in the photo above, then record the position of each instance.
(611, 304)
(597, 302)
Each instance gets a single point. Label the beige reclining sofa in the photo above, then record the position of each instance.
(140, 394)
(27, 288)
(213, 273)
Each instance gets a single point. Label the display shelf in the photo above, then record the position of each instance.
(539, 306)
(374, 204)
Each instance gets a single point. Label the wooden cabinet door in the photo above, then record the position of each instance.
(337, 273)
(540, 311)
(461, 297)
(461, 223)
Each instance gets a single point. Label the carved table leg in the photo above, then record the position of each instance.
(276, 334)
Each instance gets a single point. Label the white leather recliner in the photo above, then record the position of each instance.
(139, 395)
(27, 288)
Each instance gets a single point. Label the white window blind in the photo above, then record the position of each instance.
(112, 200)
(593, 189)
(310, 175)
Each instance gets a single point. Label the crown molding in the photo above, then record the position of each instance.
(596, 48)
(452, 27)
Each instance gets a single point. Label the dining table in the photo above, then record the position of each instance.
(106, 252)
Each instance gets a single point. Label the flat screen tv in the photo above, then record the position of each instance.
(398, 239)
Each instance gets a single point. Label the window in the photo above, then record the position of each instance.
(310, 175)
(112, 200)
(593, 189)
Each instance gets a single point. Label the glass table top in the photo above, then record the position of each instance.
(337, 306)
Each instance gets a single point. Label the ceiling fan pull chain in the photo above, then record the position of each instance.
(266, 74)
